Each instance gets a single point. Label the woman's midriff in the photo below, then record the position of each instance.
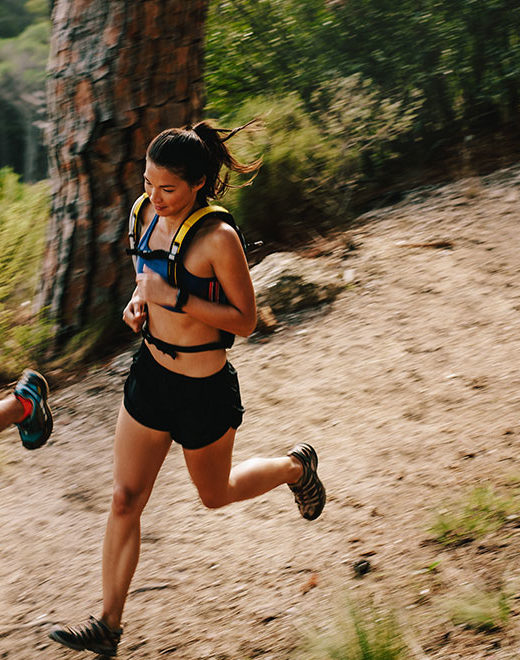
(183, 331)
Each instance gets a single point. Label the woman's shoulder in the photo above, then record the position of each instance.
(219, 233)
(220, 242)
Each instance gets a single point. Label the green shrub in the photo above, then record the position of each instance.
(365, 125)
(290, 199)
(366, 634)
(480, 610)
(24, 212)
(479, 513)
(312, 163)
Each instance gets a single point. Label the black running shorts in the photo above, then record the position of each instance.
(194, 411)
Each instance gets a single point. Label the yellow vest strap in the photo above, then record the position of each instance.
(194, 218)
(184, 229)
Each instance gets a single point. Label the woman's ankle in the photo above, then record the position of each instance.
(110, 621)
(296, 470)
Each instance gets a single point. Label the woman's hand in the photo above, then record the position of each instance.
(152, 288)
(135, 313)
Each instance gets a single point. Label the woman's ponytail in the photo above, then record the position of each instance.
(200, 152)
(219, 156)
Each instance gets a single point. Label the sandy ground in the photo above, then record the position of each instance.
(408, 386)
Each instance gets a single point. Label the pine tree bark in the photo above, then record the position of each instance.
(119, 72)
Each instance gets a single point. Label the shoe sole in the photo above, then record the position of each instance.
(75, 647)
(313, 464)
(41, 377)
(318, 513)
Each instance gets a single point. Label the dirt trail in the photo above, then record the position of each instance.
(409, 387)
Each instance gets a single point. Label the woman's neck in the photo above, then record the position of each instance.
(173, 222)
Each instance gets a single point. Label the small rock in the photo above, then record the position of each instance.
(311, 583)
(349, 275)
(361, 567)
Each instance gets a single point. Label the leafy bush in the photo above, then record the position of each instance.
(361, 635)
(481, 512)
(312, 163)
(292, 196)
(268, 47)
(365, 125)
(463, 57)
(480, 610)
(24, 211)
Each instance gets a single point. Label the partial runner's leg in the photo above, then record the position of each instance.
(219, 484)
(11, 411)
(139, 453)
(36, 424)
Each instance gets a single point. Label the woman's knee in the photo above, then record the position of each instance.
(125, 501)
(213, 499)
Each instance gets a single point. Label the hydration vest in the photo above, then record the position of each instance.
(182, 238)
(175, 255)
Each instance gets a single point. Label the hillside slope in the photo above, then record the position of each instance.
(409, 387)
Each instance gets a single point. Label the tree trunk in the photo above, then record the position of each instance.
(119, 72)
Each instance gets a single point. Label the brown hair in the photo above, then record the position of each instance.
(200, 151)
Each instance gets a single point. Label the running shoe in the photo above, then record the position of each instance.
(309, 492)
(93, 635)
(36, 428)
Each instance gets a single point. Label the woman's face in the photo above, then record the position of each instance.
(171, 196)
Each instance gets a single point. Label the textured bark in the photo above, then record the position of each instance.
(119, 72)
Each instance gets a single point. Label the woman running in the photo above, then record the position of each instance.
(181, 386)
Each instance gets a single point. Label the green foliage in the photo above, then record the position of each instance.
(23, 61)
(255, 47)
(462, 58)
(449, 67)
(23, 58)
(434, 566)
(291, 194)
(484, 611)
(366, 634)
(14, 17)
(365, 126)
(311, 164)
(24, 212)
(481, 512)
(39, 9)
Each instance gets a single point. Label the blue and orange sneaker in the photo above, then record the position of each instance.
(36, 427)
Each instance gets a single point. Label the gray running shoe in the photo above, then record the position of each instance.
(309, 492)
(36, 428)
(94, 635)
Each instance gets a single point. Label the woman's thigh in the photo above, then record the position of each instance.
(139, 453)
(209, 468)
